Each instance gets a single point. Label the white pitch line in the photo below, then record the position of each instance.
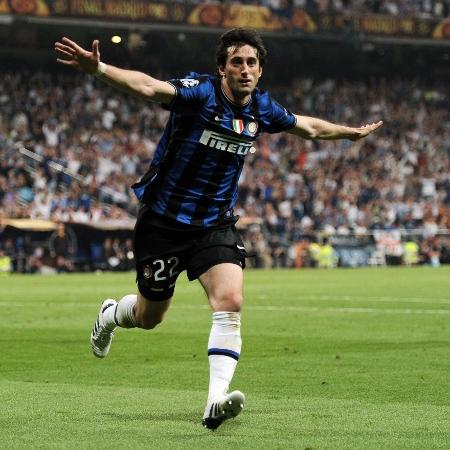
(336, 310)
(349, 298)
(289, 309)
(344, 298)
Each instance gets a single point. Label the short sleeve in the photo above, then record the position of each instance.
(281, 119)
(191, 94)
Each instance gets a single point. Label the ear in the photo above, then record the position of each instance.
(222, 71)
(260, 72)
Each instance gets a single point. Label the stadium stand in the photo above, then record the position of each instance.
(73, 147)
(404, 8)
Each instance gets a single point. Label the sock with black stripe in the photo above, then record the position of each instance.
(121, 315)
(224, 349)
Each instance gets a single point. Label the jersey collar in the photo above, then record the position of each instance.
(238, 105)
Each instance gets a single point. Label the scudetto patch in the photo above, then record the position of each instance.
(238, 125)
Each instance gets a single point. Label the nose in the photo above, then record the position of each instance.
(244, 69)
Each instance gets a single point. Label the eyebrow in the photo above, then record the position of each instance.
(250, 58)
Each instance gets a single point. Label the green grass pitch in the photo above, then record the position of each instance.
(341, 359)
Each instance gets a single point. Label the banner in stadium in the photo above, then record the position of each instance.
(353, 251)
(232, 15)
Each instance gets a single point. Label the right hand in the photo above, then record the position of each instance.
(77, 57)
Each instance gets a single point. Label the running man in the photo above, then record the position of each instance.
(186, 220)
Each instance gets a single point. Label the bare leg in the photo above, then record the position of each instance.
(149, 313)
(132, 311)
(223, 285)
(136, 311)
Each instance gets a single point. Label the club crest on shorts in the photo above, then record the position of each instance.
(252, 128)
(238, 125)
(147, 272)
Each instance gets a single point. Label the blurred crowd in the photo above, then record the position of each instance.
(401, 8)
(85, 144)
(398, 178)
(58, 251)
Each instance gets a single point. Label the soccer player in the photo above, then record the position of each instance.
(186, 220)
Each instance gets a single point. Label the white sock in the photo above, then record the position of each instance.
(122, 315)
(224, 348)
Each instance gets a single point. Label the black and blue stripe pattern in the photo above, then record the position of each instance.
(201, 154)
(224, 352)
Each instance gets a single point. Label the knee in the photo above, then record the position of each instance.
(148, 323)
(229, 301)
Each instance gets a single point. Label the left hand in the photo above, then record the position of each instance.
(362, 132)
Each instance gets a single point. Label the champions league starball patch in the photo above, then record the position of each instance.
(189, 83)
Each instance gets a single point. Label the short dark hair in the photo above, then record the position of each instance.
(239, 37)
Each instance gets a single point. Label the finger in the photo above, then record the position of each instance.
(66, 48)
(72, 44)
(66, 62)
(59, 50)
(374, 126)
(95, 49)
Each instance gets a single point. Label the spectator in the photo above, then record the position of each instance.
(5, 263)
(62, 248)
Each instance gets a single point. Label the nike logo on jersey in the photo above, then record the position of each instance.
(218, 119)
(226, 143)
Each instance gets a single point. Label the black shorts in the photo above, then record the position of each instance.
(163, 249)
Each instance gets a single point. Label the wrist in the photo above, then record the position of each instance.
(353, 134)
(101, 69)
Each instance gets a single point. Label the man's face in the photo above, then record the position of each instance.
(242, 70)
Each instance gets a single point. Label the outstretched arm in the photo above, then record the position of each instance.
(313, 128)
(133, 82)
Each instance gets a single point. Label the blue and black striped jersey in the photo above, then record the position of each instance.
(193, 177)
